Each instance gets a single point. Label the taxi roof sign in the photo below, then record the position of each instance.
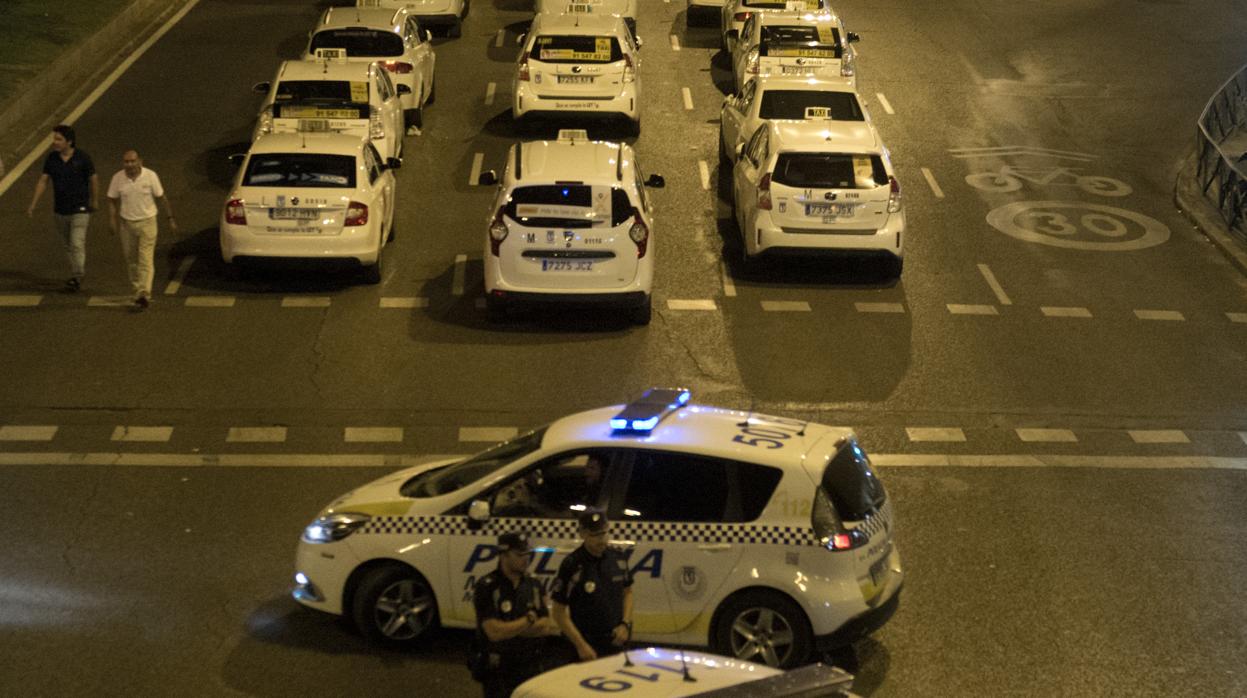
(644, 413)
(331, 53)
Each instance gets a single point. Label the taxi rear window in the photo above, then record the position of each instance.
(300, 170)
(568, 206)
(851, 485)
(829, 171)
(783, 4)
(800, 42)
(321, 91)
(576, 49)
(359, 42)
(792, 104)
(455, 476)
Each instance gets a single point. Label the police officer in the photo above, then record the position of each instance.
(592, 594)
(512, 621)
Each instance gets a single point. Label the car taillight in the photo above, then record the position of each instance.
(894, 198)
(497, 232)
(376, 129)
(741, 16)
(629, 73)
(639, 232)
(846, 540)
(356, 213)
(846, 65)
(400, 67)
(764, 192)
(523, 74)
(235, 212)
(266, 121)
(751, 61)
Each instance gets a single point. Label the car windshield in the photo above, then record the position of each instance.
(455, 476)
(568, 206)
(300, 170)
(829, 171)
(359, 42)
(321, 91)
(558, 48)
(796, 104)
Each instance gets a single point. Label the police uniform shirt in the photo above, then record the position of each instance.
(495, 597)
(71, 181)
(593, 588)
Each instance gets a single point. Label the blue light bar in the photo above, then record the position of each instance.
(643, 414)
(618, 423)
(644, 424)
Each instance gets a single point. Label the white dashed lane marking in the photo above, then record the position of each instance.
(109, 301)
(1237, 317)
(703, 170)
(306, 302)
(1243, 435)
(688, 98)
(935, 186)
(210, 302)
(486, 434)
(786, 306)
(20, 301)
(934, 434)
(478, 161)
(1046, 435)
(879, 307)
(1165, 315)
(457, 281)
(997, 289)
(253, 435)
(404, 302)
(148, 434)
(729, 286)
(970, 309)
(678, 304)
(490, 89)
(356, 435)
(175, 284)
(887, 106)
(675, 42)
(15, 432)
(1158, 436)
(1064, 311)
(498, 39)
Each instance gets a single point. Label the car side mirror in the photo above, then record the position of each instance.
(519, 40)
(237, 159)
(740, 150)
(854, 38)
(487, 178)
(639, 43)
(656, 181)
(262, 87)
(425, 35)
(478, 512)
(393, 163)
(403, 89)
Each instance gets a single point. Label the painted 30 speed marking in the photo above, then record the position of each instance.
(1078, 226)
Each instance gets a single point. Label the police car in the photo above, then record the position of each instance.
(310, 196)
(333, 95)
(393, 38)
(430, 13)
(578, 65)
(625, 9)
(810, 101)
(802, 189)
(571, 223)
(784, 44)
(766, 538)
(733, 14)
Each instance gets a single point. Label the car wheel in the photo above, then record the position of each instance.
(390, 237)
(414, 117)
(372, 272)
(764, 627)
(467, 6)
(642, 314)
(394, 605)
(725, 163)
(456, 30)
(893, 266)
(433, 88)
(495, 309)
(634, 128)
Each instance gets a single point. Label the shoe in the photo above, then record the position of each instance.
(73, 284)
(142, 302)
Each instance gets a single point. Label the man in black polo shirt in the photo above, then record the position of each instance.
(592, 594)
(512, 621)
(75, 189)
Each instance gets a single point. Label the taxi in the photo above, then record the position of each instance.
(578, 65)
(571, 223)
(310, 196)
(791, 45)
(765, 538)
(625, 9)
(733, 14)
(336, 96)
(801, 189)
(430, 13)
(392, 38)
(703, 13)
(809, 100)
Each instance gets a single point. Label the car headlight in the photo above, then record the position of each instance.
(333, 528)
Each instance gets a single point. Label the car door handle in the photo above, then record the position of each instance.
(715, 547)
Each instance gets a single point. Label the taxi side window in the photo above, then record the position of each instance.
(746, 95)
(746, 30)
(757, 146)
(640, 188)
(413, 31)
(558, 487)
(384, 90)
(664, 486)
(371, 161)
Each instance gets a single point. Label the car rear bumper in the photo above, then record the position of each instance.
(860, 626)
(528, 102)
(359, 243)
(772, 239)
(623, 299)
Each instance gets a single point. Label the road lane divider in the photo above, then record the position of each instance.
(729, 286)
(252, 435)
(486, 434)
(887, 106)
(142, 434)
(1158, 436)
(1032, 435)
(997, 289)
(1162, 315)
(675, 42)
(1237, 317)
(935, 186)
(879, 307)
(306, 302)
(703, 170)
(478, 161)
(457, 280)
(209, 302)
(691, 304)
(786, 306)
(359, 435)
(20, 301)
(1064, 311)
(971, 309)
(27, 432)
(404, 302)
(688, 98)
(490, 90)
(941, 434)
(175, 284)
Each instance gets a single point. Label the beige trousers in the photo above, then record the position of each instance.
(138, 244)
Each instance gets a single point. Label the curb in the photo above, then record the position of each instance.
(1191, 201)
(41, 103)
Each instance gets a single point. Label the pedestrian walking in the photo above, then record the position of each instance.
(512, 621)
(74, 196)
(592, 593)
(132, 196)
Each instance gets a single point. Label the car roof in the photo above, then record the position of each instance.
(567, 159)
(315, 143)
(577, 24)
(369, 17)
(825, 136)
(808, 84)
(322, 69)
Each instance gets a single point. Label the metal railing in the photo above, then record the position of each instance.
(1222, 176)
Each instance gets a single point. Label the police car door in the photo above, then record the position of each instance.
(543, 499)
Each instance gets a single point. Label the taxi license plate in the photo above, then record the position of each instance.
(829, 210)
(293, 214)
(566, 265)
(313, 125)
(575, 79)
(794, 70)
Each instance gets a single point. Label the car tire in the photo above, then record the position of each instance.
(414, 117)
(634, 128)
(763, 626)
(372, 272)
(467, 7)
(893, 266)
(642, 314)
(432, 89)
(394, 605)
(495, 309)
(456, 30)
(392, 234)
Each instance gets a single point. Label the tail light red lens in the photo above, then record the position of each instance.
(846, 540)
(235, 212)
(741, 16)
(639, 232)
(523, 74)
(764, 192)
(894, 198)
(399, 67)
(356, 214)
(629, 72)
(497, 233)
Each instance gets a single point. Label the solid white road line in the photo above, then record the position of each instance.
(147, 434)
(14, 432)
(357, 435)
(1237, 317)
(1063, 311)
(1060, 461)
(210, 302)
(20, 301)
(1158, 436)
(678, 304)
(499, 38)
(175, 284)
(786, 306)
(41, 148)
(109, 301)
(934, 434)
(305, 302)
(478, 161)
(675, 42)
(688, 98)
(1243, 435)
(879, 307)
(990, 278)
(249, 435)
(1168, 315)
(490, 90)
(1046, 435)
(404, 302)
(884, 101)
(971, 309)
(935, 186)
(486, 434)
(729, 286)
(456, 282)
(704, 171)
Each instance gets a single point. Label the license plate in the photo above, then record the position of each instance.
(580, 106)
(575, 79)
(566, 265)
(313, 125)
(829, 210)
(794, 70)
(293, 214)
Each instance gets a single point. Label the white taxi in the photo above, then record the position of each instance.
(570, 224)
(733, 14)
(625, 9)
(430, 13)
(336, 96)
(392, 38)
(310, 196)
(789, 99)
(791, 45)
(578, 65)
(766, 538)
(800, 189)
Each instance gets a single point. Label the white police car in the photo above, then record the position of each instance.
(733, 14)
(571, 223)
(335, 96)
(430, 13)
(766, 538)
(810, 101)
(625, 9)
(310, 196)
(788, 45)
(799, 189)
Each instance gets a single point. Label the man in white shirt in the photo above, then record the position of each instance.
(132, 197)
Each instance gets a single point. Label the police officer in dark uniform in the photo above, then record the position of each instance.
(592, 594)
(512, 621)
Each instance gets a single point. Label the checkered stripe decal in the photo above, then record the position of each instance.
(744, 534)
(876, 523)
